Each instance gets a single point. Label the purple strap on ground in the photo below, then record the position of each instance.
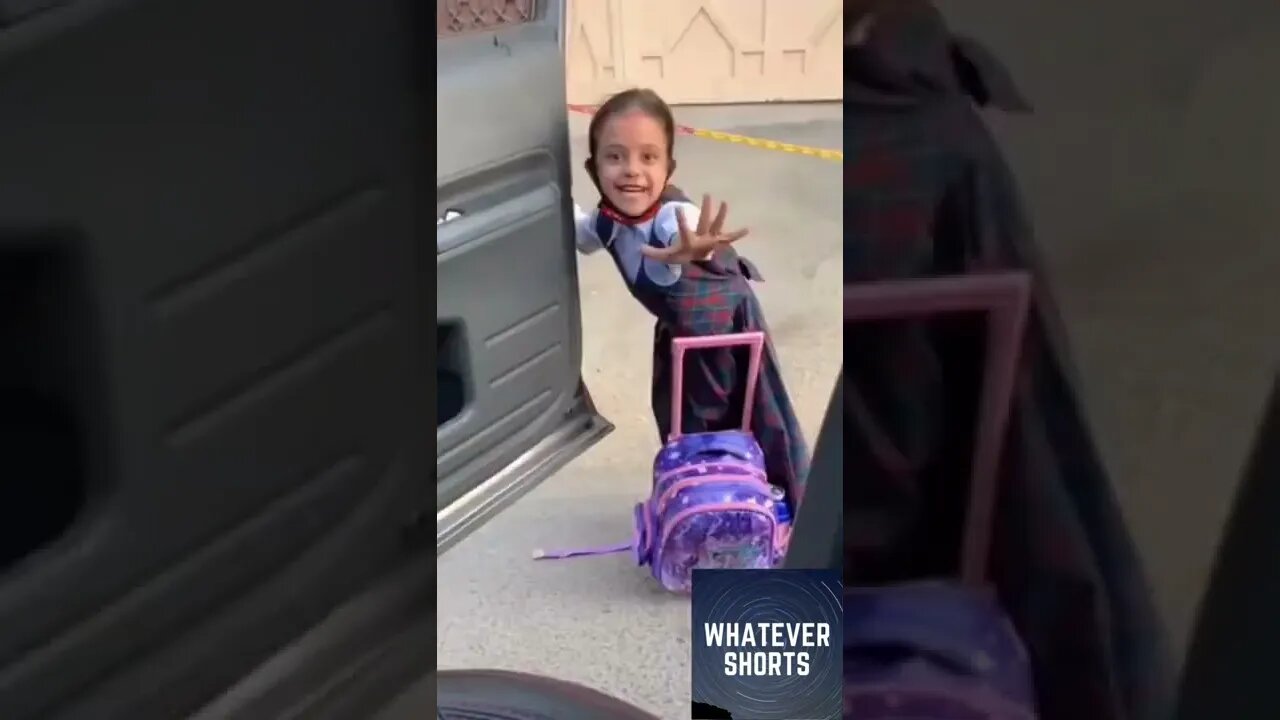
(582, 552)
(637, 539)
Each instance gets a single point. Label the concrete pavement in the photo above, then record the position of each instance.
(603, 621)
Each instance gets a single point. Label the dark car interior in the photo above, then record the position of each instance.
(1227, 673)
(214, 388)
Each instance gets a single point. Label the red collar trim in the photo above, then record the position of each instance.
(610, 212)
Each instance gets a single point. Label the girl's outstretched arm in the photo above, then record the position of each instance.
(584, 231)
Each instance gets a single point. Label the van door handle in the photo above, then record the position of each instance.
(454, 231)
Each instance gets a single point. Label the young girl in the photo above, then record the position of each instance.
(677, 262)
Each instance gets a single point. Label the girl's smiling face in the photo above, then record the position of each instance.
(632, 161)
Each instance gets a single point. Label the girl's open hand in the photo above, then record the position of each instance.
(700, 243)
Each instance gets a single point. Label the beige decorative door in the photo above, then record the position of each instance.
(706, 51)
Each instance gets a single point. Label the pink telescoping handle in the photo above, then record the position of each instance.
(1005, 297)
(681, 345)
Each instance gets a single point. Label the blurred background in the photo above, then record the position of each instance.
(1150, 169)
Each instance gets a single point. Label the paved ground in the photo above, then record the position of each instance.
(500, 609)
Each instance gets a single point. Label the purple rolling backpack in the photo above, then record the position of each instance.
(711, 505)
(946, 650)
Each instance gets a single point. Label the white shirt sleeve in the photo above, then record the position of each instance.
(585, 231)
(669, 223)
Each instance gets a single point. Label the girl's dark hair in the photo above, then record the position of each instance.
(636, 99)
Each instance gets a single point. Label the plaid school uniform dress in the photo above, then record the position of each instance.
(711, 297)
